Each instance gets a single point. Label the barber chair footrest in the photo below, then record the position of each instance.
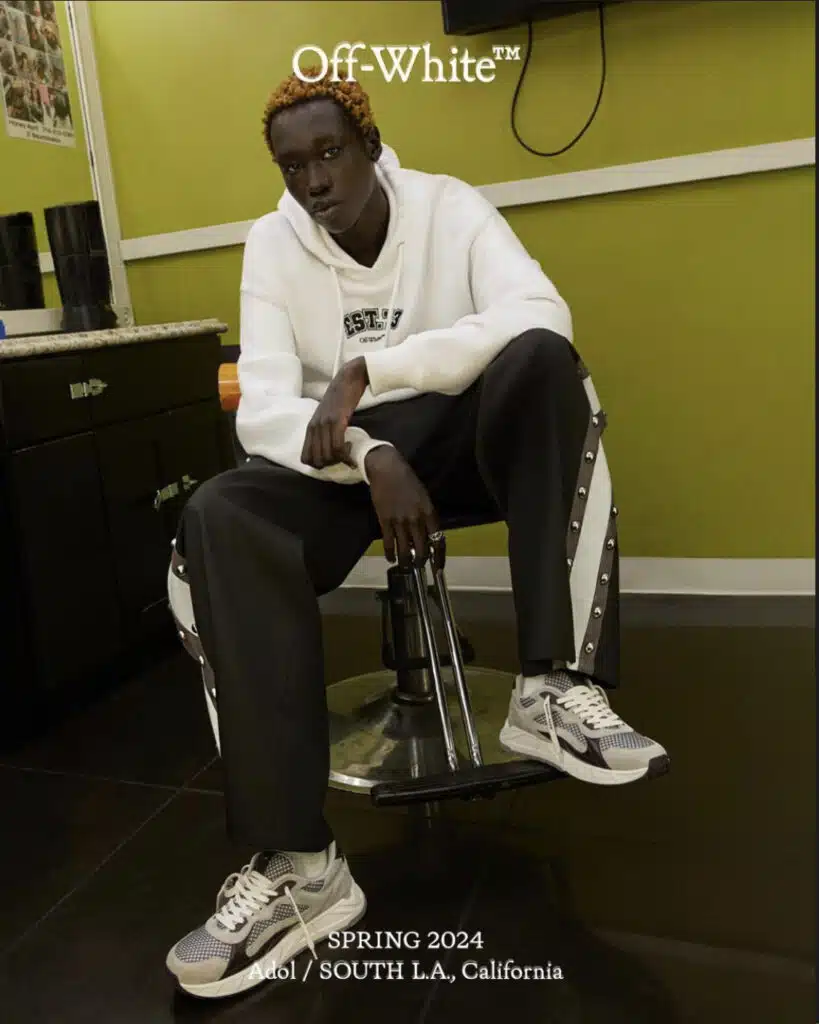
(465, 783)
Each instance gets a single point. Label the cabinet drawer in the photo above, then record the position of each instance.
(140, 380)
(36, 402)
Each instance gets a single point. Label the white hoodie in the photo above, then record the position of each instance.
(450, 288)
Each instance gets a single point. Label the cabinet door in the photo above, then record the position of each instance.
(194, 447)
(131, 480)
(15, 656)
(65, 558)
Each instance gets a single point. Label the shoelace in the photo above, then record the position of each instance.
(251, 892)
(590, 703)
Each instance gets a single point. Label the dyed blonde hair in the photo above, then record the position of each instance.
(292, 91)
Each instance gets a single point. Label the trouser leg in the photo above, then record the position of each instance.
(523, 444)
(260, 545)
(539, 447)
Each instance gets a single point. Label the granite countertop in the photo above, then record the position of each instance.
(48, 344)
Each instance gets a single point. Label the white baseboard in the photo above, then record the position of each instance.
(723, 163)
(661, 577)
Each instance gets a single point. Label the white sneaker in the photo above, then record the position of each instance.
(568, 723)
(266, 914)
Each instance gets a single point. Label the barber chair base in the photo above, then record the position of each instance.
(380, 742)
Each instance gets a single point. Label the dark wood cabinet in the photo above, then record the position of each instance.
(99, 451)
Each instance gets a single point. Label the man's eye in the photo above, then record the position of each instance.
(332, 151)
(291, 168)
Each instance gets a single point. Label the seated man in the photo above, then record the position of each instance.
(402, 358)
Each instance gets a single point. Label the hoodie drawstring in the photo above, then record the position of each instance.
(340, 302)
(394, 295)
(390, 311)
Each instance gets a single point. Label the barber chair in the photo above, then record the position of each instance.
(425, 727)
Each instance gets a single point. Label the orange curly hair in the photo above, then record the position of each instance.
(348, 95)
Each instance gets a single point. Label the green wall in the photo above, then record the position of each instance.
(693, 304)
(35, 175)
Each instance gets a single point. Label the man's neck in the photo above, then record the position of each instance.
(365, 239)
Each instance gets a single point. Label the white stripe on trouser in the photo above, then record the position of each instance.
(181, 606)
(585, 569)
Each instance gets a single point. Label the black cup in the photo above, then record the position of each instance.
(21, 283)
(81, 265)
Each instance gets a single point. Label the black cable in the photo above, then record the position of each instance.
(587, 125)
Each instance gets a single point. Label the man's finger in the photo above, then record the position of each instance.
(388, 538)
(325, 444)
(420, 541)
(403, 540)
(307, 450)
(339, 430)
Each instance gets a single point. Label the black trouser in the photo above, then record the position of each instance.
(262, 543)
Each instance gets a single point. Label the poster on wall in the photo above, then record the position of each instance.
(32, 73)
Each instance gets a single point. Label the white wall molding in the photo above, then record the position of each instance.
(639, 577)
(676, 170)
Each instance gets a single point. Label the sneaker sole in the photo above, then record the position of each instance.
(341, 915)
(518, 741)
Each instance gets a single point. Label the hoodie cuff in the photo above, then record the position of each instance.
(390, 369)
(361, 446)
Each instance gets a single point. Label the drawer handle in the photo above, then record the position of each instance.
(165, 494)
(87, 388)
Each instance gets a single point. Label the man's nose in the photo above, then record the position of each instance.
(318, 180)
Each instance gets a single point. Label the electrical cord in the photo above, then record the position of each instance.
(593, 114)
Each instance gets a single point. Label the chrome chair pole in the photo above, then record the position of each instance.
(438, 560)
(419, 576)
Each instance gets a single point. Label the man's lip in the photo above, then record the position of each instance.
(324, 207)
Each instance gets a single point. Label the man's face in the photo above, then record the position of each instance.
(324, 163)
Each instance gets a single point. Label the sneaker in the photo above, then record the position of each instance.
(569, 724)
(266, 914)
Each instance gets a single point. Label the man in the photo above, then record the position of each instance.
(402, 358)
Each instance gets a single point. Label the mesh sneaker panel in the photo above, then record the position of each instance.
(277, 866)
(625, 740)
(201, 945)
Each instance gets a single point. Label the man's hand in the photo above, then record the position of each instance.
(324, 443)
(402, 505)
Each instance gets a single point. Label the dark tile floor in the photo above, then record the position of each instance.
(687, 899)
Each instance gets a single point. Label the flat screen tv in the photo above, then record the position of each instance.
(471, 17)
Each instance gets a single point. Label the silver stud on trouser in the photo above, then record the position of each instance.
(595, 420)
(569, 562)
(604, 578)
(589, 648)
(597, 612)
(582, 492)
(589, 456)
(575, 526)
(610, 544)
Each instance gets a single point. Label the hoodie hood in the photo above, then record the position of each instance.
(320, 243)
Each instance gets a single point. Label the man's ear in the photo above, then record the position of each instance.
(373, 144)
